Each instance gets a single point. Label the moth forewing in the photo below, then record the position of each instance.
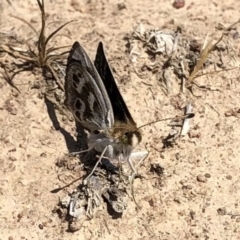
(120, 109)
(86, 95)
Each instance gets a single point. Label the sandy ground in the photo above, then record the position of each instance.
(198, 195)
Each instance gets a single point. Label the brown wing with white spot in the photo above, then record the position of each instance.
(86, 95)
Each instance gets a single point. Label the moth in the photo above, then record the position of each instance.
(94, 99)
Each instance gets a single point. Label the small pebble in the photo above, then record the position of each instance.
(229, 177)
(236, 35)
(40, 226)
(207, 175)
(121, 6)
(178, 4)
(222, 211)
(201, 178)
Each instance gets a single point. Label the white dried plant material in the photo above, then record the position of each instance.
(164, 42)
(134, 51)
(76, 207)
(167, 79)
(186, 122)
(139, 31)
(158, 41)
(76, 210)
(65, 201)
(7, 35)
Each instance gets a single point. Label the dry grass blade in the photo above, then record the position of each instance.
(45, 58)
(217, 71)
(56, 31)
(56, 57)
(57, 48)
(26, 22)
(17, 54)
(206, 50)
(8, 78)
(42, 40)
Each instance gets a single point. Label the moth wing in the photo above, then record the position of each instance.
(86, 95)
(120, 110)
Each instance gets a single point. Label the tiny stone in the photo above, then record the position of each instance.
(201, 178)
(40, 226)
(121, 6)
(181, 213)
(151, 202)
(229, 177)
(222, 211)
(236, 35)
(178, 4)
(228, 114)
(182, 182)
(43, 155)
(207, 175)
(192, 214)
(177, 200)
(19, 216)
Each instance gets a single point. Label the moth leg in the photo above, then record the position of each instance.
(75, 153)
(94, 168)
(131, 179)
(143, 155)
(139, 155)
(134, 172)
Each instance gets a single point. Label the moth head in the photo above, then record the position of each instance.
(132, 138)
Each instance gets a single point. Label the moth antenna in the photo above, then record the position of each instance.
(119, 127)
(189, 115)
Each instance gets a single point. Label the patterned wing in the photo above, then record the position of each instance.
(86, 95)
(120, 110)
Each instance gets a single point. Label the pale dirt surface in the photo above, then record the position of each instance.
(180, 205)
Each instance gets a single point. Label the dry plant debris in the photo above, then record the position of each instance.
(37, 54)
(174, 54)
(108, 183)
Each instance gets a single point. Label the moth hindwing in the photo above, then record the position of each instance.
(96, 103)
